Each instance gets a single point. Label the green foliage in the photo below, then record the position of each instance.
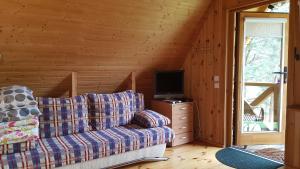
(262, 57)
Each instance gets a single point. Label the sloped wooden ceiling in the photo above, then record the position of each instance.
(41, 42)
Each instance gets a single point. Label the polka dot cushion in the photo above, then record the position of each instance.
(19, 114)
(17, 103)
(15, 97)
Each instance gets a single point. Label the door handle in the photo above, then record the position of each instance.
(281, 73)
(284, 73)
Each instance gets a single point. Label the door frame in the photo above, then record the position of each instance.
(263, 137)
(230, 41)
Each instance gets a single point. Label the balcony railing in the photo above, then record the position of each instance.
(271, 89)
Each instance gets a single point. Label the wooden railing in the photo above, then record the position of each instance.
(272, 88)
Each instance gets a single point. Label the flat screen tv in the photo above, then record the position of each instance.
(169, 84)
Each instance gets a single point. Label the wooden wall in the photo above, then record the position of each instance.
(206, 60)
(294, 67)
(292, 153)
(42, 42)
(292, 146)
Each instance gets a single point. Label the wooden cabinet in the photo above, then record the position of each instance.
(181, 116)
(292, 144)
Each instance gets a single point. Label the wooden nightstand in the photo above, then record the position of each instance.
(181, 116)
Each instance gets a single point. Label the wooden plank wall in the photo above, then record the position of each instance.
(294, 67)
(207, 59)
(292, 146)
(204, 61)
(42, 42)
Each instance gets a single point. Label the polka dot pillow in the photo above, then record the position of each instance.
(14, 97)
(19, 114)
(17, 103)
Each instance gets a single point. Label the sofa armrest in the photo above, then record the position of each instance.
(150, 119)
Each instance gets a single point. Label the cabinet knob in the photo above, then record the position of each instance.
(183, 137)
(182, 118)
(183, 108)
(183, 127)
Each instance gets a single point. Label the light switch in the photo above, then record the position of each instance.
(216, 78)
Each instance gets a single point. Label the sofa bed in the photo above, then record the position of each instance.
(92, 131)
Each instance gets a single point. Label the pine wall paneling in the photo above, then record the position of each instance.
(292, 147)
(294, 67)
(292, 158)
(42, 42)
(203, 62)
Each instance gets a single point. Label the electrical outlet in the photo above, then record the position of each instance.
(216, 85)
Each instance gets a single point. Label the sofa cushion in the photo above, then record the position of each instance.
(112, 110)
(63, 116)
(18, 147)
(149, 119)
(139, 104)
(70, 149)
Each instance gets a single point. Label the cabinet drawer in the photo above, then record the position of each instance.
(183, 127)
(183, 138)
(182, 118)
(182, 108)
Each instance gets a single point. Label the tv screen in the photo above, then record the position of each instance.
(169, 84)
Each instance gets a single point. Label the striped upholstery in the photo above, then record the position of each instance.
(112, 110)
(70, 149)
(149, 119)
(63, 116)
(139, 104)
(17, 147)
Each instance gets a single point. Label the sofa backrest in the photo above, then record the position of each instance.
(62, 116)
(112, 110)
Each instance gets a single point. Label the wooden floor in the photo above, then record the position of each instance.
(187, 156)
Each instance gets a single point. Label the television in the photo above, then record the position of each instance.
(169, 84)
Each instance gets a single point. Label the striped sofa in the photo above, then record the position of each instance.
(90, 127)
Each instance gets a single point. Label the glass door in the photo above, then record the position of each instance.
(262, 78)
